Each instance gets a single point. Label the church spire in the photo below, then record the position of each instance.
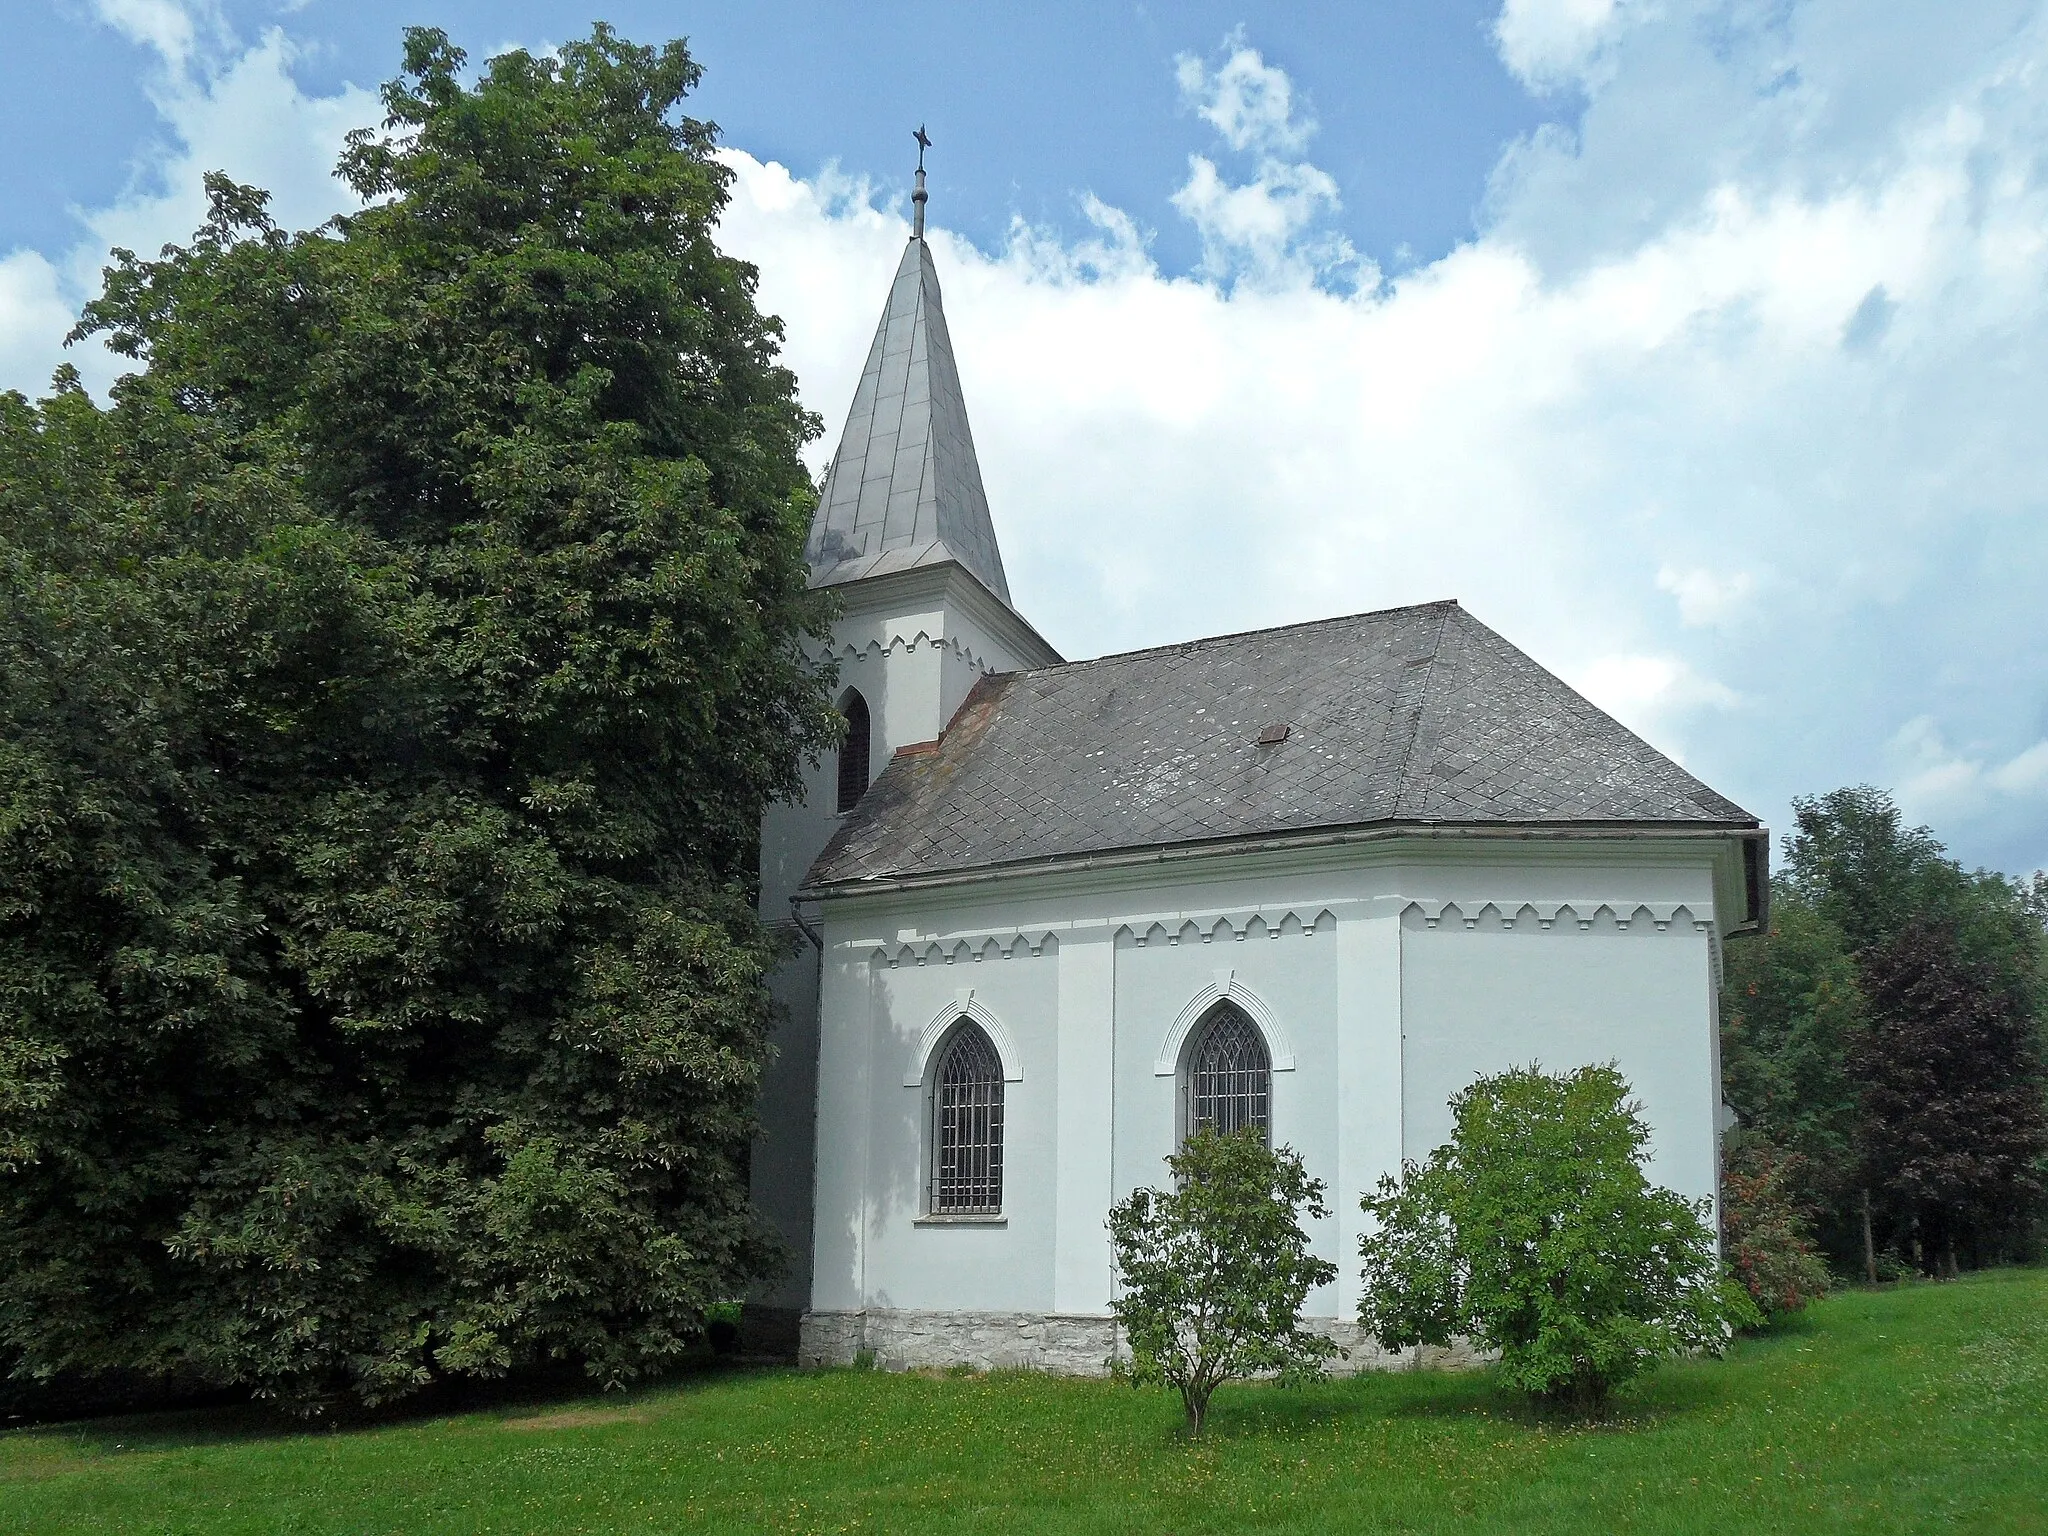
(904, 489)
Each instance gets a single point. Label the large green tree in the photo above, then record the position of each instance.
(1887, 1030)
(391, 680)
(1791, 1006)
(1954, 1125)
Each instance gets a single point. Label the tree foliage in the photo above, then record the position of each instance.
(1764, 1232)
(1212, 1273)
(394, 675)
(1890, 1022)
(1535, 1232)
(1954, 1122)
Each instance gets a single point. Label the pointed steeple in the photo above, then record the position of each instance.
(905, 489)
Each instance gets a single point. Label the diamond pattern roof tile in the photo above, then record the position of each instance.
(1409, 715)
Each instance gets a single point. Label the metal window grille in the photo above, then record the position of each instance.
(1230, 1076)
(967, 1128)
(854, 753)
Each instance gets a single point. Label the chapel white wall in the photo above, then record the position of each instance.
(1385, 1017)
(1477, 1002)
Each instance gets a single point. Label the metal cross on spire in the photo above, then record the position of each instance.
(917, 198)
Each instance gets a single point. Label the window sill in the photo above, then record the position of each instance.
(962, 1221)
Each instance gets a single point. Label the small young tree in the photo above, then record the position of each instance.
(1214, 1271)
(1534, 1232)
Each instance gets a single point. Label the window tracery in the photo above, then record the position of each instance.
(1229, 1075)
(967, 1126)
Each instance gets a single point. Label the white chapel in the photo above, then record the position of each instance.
(1311, 880)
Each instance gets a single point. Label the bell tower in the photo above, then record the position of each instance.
(903, 534)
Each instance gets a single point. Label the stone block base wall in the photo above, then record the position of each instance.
(982, 1341)
(1037, 1341)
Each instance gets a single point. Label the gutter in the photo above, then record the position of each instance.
(796, 915)
(1167, 853)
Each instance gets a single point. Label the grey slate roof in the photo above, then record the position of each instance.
(905, 488)
(1406, 716)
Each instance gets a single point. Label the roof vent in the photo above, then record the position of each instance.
(1273, 735)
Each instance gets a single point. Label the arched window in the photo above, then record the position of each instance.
(967, 1126)
(1230, 1075)
(853, 755)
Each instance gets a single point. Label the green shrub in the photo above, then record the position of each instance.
(1535, 1233)
(1214, 1272)
(1764, 1233)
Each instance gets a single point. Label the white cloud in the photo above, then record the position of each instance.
(34, 315)
(1704, 597)
(1939, 782)
(1651, 694)
(1552, 43)
(1271, 229)
(223, 106)
(1256, 227)
(1658, 373)
(1248, 101)
(171, 29)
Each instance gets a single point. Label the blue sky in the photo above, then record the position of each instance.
(1699, 346)
(1031, 105)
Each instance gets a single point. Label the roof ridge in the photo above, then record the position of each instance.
(1443, 603)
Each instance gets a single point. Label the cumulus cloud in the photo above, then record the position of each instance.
(1552, 43)
(1271, 228)
(1940, 783)
(1248, 101)
(1705, 597)
(223, 105)
(1651, 694)
(34, 315)
(173, 30)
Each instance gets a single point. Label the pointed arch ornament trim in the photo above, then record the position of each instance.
(1225, 988)
(965, 1005)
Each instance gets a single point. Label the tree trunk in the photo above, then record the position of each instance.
(1869, 1249)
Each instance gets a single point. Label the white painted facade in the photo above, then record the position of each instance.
(1384, 976)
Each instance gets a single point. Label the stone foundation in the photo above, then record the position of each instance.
(982, 1341)
(1038, 1341)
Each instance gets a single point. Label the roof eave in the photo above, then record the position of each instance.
(1367, 832)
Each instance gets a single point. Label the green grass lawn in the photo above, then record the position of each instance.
(1911, 1409)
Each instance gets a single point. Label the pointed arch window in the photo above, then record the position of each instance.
(1229, 1075)
(967, 1126)
(853, 753)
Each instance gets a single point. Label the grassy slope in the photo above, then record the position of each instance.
(1911, 1409)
